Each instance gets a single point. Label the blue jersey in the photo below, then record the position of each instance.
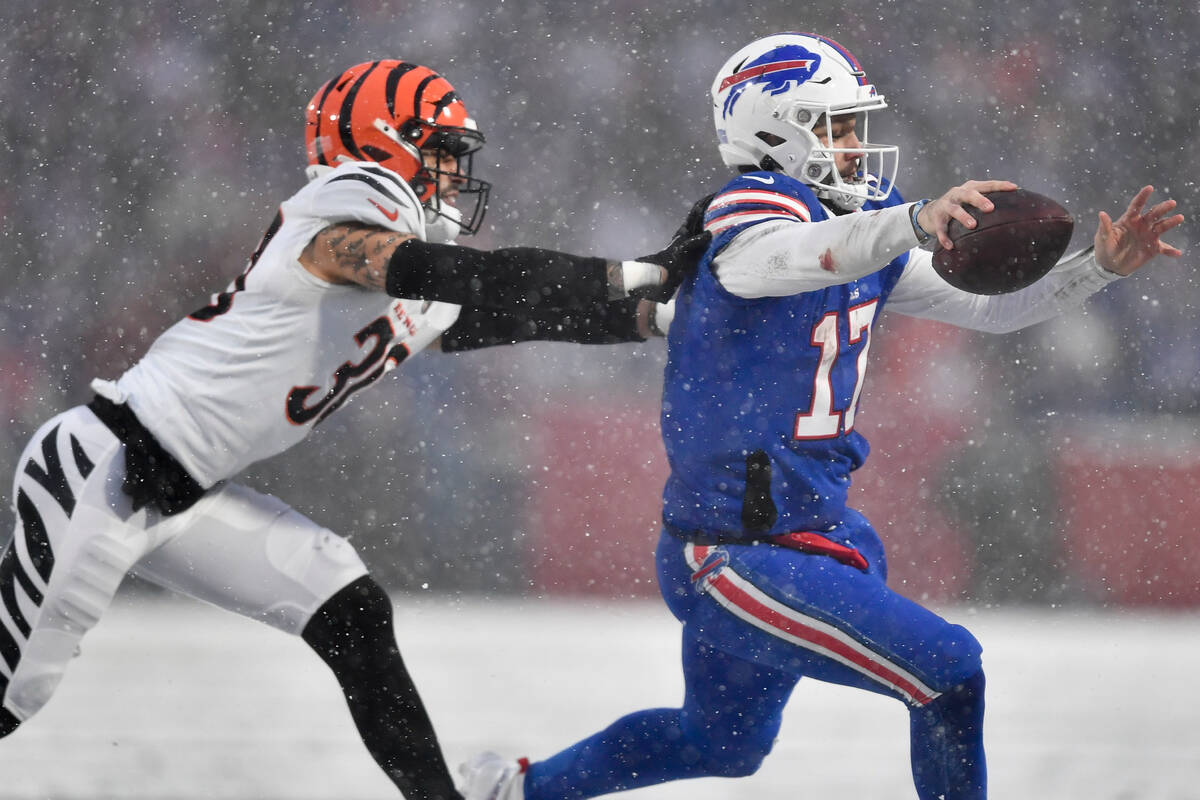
(760, 394)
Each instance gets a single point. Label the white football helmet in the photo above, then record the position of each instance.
(769, 96)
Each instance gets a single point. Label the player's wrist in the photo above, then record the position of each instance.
(639, 275)
(924, 237)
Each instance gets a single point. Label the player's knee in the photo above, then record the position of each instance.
(357, 618)
(970, 691)
(961, 658)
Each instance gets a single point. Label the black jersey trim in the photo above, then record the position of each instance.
(386, 174)
(374, 184)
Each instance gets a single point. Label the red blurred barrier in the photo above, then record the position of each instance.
(1131, 514)
(596, 512)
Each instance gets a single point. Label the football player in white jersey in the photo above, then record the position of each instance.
(357, 272)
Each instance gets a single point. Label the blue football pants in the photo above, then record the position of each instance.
(757, 618)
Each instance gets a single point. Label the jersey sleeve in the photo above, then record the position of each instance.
(762, 252)
(370, 194)
(922, 293)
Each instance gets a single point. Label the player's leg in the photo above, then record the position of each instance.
(946, 740)
(352, 633)
(252, 554)
(731, 714)
(74, 540)
(814, 616)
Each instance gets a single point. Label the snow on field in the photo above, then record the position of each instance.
(175, 700)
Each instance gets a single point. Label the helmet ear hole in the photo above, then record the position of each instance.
(411, 131)
(771, 139)
(424, 186)
(770, 165)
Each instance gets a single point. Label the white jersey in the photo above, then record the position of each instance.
(279, 350)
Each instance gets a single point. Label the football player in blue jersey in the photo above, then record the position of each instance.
(773, 577)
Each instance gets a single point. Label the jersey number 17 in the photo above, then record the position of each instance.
(821, 420)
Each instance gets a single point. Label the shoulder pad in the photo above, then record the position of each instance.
(760, 197)
(368, 193)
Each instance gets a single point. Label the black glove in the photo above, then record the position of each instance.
(681, 256)
(694, 224)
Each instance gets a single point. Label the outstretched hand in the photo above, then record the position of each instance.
(680, 258)
(934, 217)
(1126, 245)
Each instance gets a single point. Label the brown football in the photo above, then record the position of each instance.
(1013, 245)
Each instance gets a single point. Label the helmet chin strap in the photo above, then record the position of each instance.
(843, 200)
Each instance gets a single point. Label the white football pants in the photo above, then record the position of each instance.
(77, 537)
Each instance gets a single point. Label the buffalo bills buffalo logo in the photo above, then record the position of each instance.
(775, 71)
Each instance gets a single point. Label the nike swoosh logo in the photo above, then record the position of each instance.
(762, 180)
(391, 215)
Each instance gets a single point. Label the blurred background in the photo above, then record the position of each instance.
(144, 148)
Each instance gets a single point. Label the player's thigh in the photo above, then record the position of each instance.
(811, 615)
(252, 554)
(75, 537)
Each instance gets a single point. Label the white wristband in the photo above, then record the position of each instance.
(636, 274)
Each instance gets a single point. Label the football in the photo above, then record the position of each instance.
(1013, 245)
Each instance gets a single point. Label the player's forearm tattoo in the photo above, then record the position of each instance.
(359, 253)
(616, 281)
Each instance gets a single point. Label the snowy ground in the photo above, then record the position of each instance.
(175, 700)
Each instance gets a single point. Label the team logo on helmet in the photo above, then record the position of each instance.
(776, 72)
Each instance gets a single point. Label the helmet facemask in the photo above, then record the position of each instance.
(457, 145)
(876, 165)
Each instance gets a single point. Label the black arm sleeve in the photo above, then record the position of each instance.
(609, 323)
(517, 278)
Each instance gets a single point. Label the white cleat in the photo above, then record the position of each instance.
(487, 776)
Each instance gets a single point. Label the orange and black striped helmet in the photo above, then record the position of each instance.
(389, 111)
